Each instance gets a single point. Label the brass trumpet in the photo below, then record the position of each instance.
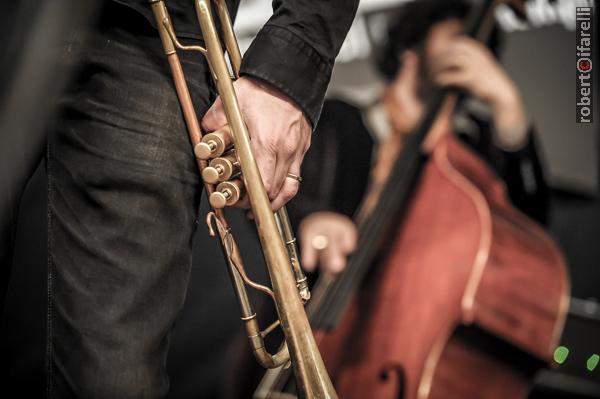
(234, 168)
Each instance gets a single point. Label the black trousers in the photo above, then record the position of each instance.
(124, 194)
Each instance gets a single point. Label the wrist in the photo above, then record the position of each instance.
(286, 61)
(510, 119)
(507, 99)
(512, 138)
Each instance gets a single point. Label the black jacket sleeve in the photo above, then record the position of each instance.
(296, 49)
(521, 170)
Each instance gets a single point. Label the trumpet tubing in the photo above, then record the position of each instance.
(230, 154)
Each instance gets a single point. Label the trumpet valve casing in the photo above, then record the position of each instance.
(213, 144)
(221, 169)
(226, 194)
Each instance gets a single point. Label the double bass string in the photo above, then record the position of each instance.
(394, 197)
(393, 200)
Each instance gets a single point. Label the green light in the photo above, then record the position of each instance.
(560, 354)
(592, 362)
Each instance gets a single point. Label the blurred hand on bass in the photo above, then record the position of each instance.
(327, 238)
(279, 131)
(467, 64)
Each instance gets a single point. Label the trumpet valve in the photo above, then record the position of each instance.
(212, 174)
(204, 150)
(227, 166)
(227, 194)
(214, 144)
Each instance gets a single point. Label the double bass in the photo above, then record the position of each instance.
(452, 292)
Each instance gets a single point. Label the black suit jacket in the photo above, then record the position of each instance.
(294, 51)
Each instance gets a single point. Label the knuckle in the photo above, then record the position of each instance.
(307, 144)
(290, 192)
(289, 146)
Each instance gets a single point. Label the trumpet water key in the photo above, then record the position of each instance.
(225, 158)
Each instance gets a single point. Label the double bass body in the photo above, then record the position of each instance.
(468, 302)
